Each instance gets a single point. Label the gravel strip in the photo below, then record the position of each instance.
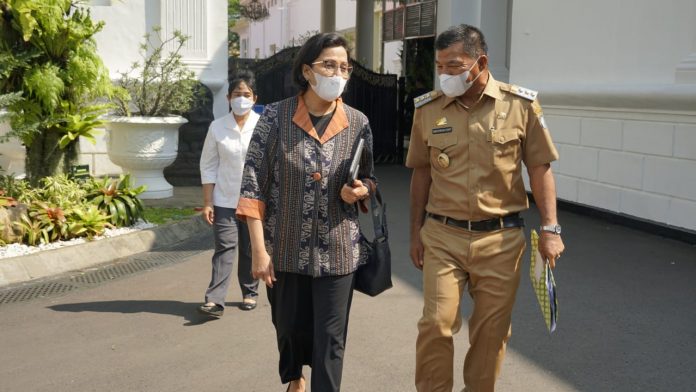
(13, 250)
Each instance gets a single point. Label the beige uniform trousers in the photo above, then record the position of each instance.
(489, 262)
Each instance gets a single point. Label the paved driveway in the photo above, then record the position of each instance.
(627, 322)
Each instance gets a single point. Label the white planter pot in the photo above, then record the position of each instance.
(143, 147)
(12, 153)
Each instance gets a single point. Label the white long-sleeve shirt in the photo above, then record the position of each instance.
(222, 159)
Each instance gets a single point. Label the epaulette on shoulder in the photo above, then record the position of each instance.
(425, 98)
(523, 92)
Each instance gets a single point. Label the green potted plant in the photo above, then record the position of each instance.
(150, 99)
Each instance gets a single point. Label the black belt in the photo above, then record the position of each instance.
(512, 220)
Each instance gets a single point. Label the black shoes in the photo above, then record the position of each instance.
(211, 310)
(248, 304)
(216, 310)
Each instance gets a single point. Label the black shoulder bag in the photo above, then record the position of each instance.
(374, 277)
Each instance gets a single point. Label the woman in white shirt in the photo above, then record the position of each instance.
(222, 162)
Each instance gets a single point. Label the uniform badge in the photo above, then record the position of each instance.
(539, 113)
(441, 122)
(524, 92)
(425, 98)
(443, 160)
(537, 109)
(502, 116)
(437, 131)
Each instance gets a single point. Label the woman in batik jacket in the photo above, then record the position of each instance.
(302, 212)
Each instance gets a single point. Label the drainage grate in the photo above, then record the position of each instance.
(166, 257)
(119, 268)
(111, 272)
(47, 289)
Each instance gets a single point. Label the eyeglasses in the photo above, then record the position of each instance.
(332, 67)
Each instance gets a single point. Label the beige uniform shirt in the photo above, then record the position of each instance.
(475, 156)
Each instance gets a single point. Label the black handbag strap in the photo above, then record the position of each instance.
(378, 209)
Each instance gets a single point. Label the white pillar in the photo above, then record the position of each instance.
(364, 31)
(328, 16)
(495, 25)
(454, 12)
(490, 17)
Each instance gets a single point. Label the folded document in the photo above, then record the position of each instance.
(543, 284)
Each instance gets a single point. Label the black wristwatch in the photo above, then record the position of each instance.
(555, 229)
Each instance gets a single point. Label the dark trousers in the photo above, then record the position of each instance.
(230, 234)
(311, 320)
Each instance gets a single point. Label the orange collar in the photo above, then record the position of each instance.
(338, 122)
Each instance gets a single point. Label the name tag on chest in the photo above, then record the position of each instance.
(437, 131)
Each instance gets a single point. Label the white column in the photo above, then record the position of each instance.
(328, 16)
(191, 18)
(495, 25)
(205, 22)
(364, 31)
(454, 12)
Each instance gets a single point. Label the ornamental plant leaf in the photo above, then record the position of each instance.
(46, 85)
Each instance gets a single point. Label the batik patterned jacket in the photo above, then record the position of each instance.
(292, 182)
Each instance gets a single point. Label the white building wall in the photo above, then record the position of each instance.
(288, 21)
(600, 42)
(126, 22)
(625, 128)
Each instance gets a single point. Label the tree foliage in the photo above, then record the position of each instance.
(49, 57)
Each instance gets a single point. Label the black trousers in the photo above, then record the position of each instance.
(311, 320)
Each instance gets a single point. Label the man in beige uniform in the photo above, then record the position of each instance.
(467, 146)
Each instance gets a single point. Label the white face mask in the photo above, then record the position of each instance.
(456, 85)
(328, 88)
(241, 105)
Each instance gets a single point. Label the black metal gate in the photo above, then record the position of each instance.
(372, 93)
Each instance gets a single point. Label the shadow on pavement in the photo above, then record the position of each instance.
(627, 319)
(186, 310)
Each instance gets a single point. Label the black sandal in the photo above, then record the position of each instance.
(211, 310)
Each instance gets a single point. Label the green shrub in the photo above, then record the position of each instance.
(87, 221)
(14, 188)
(116, 198)
(62, 209)
(43, 224)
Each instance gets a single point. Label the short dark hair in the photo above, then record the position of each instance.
(472, 39)
(311, 50)
(244, 76)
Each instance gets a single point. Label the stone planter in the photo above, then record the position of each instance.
(143, 147)
(12, 152)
